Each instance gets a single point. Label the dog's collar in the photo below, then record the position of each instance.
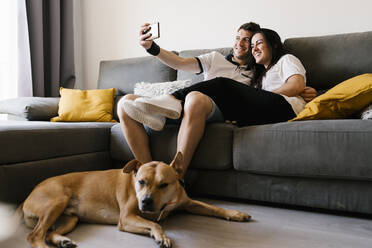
(182, 183)
(166, 205)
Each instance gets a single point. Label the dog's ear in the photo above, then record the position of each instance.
(132, 165)
(177, 163)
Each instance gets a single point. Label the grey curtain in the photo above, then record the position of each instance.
(50, 25)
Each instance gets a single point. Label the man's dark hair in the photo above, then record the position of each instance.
(250, 26)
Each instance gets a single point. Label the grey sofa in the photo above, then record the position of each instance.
(320, 164)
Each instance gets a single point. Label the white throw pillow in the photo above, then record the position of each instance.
(367, 113)
(162, 88)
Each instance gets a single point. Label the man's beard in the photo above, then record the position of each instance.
(245, 57)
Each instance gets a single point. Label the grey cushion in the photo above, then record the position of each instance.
(332, 59)
(115, 111)
(31, 108)
(214, 151)
(195, 78)
(124, 74)
(22, 141)
(119, 147)
(322, 148)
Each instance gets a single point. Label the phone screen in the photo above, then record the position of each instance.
(155, 31)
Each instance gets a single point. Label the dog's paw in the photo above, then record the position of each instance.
(67, 244)
(164, 242)
(235, 215)
(160, 238)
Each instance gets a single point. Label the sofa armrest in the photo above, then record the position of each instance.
(30, 108)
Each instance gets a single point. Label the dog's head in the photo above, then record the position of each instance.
(156, 183)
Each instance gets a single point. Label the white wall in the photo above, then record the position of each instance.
(108, 29)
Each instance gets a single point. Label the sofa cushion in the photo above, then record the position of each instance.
(214, 151)
(119, 147)
(124, 74)
(326, 148)
(86, 105)
(30, 108)
(342, 101)
(195, 78)
(22, 141)
(329, 60)
(115, 111)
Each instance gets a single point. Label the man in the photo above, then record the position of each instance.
(198, 108)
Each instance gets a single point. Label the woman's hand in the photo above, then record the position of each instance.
(308, 94)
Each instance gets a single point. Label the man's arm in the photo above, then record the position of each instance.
(178, 63)
(167, 57)
(294, 85)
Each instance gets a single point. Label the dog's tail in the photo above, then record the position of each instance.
(9, 222)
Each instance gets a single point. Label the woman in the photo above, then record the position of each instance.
(277, 71)
(278, 80)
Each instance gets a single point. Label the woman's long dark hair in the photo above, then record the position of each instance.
(275, 44)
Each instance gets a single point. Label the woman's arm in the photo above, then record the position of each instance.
(294, 85)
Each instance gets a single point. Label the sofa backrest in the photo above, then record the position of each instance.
(331, 59)
(124, 74)
(328, 60)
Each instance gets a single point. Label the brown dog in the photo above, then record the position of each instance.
(133, 198)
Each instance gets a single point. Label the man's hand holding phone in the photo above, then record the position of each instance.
(148, 33)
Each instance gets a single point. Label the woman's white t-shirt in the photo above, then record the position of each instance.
(287, 66)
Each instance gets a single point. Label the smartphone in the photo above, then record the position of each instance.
(154, 31)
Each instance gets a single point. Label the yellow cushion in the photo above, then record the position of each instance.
(342, 101)
(85, 105)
